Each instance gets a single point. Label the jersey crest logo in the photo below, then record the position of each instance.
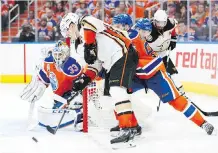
(149, 38)
(53, 81)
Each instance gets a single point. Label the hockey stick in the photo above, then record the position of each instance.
(49, 128)
(168, 58)
(205, 113)
(53, 131)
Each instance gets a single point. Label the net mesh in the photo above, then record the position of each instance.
(99, 109)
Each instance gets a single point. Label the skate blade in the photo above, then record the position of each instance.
(122, 145)
(115, 134)
(214, 133)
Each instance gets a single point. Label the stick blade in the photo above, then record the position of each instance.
(212, 114)
(50, 129)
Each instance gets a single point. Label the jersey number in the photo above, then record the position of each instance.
(73, 68)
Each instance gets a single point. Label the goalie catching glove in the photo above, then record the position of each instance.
(34, 90)
(81, 82)
(90, 53)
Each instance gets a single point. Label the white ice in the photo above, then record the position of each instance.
(171, 132)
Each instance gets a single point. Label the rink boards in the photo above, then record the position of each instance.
(196, 63)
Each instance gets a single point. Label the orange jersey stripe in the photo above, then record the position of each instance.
(172, 85)
(119, 37)
(89, 36)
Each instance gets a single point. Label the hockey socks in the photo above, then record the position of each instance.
(181, 104)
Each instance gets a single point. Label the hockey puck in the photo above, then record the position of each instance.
(34, 139)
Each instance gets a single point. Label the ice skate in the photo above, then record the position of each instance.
(115, 130)
(124, 139)
(209, 128)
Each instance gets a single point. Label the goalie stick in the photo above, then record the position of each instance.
(49, 128)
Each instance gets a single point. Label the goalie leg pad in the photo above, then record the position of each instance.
(51, 117)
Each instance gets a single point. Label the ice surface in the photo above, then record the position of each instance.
(171, 132)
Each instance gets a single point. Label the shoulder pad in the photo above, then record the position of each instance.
(173, 21)
(133, 34)
(49, 58)
(72, 67)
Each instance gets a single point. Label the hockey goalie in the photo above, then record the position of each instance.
(58, 70)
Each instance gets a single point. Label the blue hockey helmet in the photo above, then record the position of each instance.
(123, 19)
(144, 24)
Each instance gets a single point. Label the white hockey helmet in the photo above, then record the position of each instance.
(60, 53)
(66, 21)
(160, 19)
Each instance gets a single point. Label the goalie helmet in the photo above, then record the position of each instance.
(160, 19)
(60, 53)
(66, 21)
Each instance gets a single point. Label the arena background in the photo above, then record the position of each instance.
(30, 27)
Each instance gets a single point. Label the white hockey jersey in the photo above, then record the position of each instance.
(159, 40)
(112, 43)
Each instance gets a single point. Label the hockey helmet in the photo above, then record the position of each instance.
(66, 21)
(123, 19)
(143, 24)
(60, 53)
(160, 19)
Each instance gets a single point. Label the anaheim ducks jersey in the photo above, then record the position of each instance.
(159, 40)
(61, 79)
(112, 43)
(149, 62)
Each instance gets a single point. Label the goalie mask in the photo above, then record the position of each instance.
(60, 53)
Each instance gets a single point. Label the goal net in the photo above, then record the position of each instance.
(98, 110)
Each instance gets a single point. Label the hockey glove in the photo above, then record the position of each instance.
(90, 53)
(172, 43)
(81, 82)
(33, 91)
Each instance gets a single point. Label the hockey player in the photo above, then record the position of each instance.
(162, 40)
(124, 22)
(58, 70)
(110, 48)
(151, 73)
